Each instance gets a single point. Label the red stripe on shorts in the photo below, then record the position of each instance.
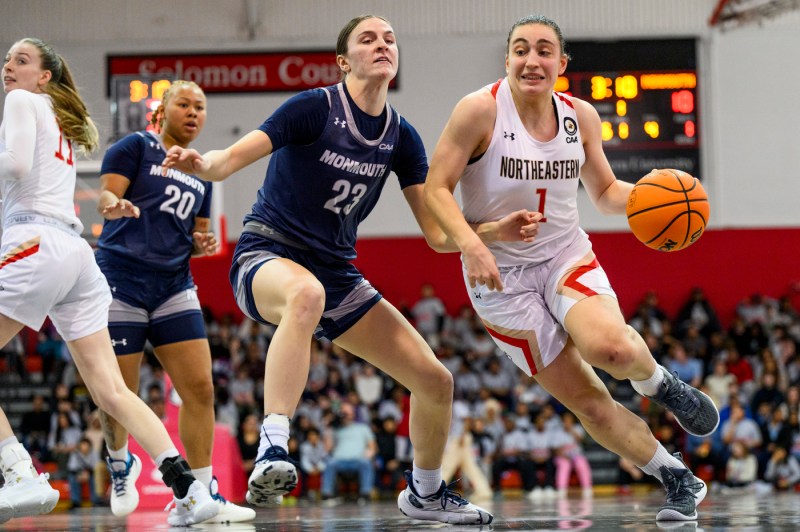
(517, 342)
(19, 256)
(572, 280)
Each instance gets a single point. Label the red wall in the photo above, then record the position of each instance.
(728, 264)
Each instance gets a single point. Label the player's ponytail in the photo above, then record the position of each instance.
(68, 106)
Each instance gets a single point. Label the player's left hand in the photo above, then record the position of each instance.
(205, 243)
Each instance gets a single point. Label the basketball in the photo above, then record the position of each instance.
(668, 210)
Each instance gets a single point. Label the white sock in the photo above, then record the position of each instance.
(661, 458)
(14, 456)
(649, 387)
(426, 481)
(119, 457)
(169, 453)
(274, 432)
(204, 475)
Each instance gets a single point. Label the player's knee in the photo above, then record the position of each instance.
(201, 392)
(615, 352)
(436, 385)
(109, 400)
(307, 301)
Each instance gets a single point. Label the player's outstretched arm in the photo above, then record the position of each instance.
(218, 165)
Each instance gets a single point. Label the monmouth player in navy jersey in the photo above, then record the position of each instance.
(332, 152)
(153, 224)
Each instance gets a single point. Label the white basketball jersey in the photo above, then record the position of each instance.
(49, 188)
(519, 172)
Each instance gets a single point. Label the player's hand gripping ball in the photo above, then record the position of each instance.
(668, 210)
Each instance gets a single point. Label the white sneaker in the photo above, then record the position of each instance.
(445, 506)
(24, 496)
(228, 512)
(274, 475)
(549, 493)
(196, 507)
(535, 494)
(124, 497)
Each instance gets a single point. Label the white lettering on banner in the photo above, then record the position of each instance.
(216, 76)
(294, 71)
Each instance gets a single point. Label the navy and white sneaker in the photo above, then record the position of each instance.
(694, 410)
(124, 497)
(274, 475)
(445, 506)
(684, 493)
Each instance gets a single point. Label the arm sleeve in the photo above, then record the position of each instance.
(19, 117)
(410, 163)
(299, 120)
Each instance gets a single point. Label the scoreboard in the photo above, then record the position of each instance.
(645, 92)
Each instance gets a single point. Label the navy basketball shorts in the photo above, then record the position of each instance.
(159, 307)
(348, 296)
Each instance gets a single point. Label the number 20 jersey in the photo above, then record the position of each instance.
(520, 172)
(317, 194)
(161, 237)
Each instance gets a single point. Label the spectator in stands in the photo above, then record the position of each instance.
(429, 314)
(459, 453)
(719, 382)
(225, 409)
(688, 369)
(484, 446)
(388, 466)
(768, 393)
(313, 458)
(352, 449)
(742, 429)
(466, 383)
(741, 469)
(568, 454)
(497, 381)
(248, 438)
(14, 354)
(783, 470)
(34, 427)
(738, 366)
(754, 308)
(81, 466)
(775, 432)
(63, 440)
(707, 452)
(699, 312)
(368, 385)
(514, 452)
(242, 390)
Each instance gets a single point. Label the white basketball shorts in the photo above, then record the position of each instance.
(526, 319)
(47, 269)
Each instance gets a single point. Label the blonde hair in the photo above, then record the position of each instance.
(157, 120)
(68, 106)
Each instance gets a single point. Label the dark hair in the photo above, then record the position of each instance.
(71, 112)
(543, 20)
(344, 34)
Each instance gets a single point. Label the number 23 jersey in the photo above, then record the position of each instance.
(161, 237)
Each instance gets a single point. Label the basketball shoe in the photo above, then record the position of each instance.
(124, 497)
(694, 410)
(684, 493)
(26, 492)
(196, 507)
(228, 512)
(274, 475)
(445, 506)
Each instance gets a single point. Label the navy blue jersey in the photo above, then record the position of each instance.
(161, 238)
(329, 165)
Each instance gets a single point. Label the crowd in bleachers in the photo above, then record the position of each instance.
(351, 426)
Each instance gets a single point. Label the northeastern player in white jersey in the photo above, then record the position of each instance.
(518, 144)
(47, 269)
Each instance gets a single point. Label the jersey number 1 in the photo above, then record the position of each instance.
(60, 152)
(542, 197)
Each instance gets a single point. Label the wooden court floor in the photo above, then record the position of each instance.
(612, 512)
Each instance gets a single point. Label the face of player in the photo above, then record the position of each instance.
(371, 51)
(22, 69)
(184, 115)
(534, 60)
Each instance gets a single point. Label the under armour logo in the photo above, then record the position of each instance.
(507, 135)
(338, 122)
(114, 343)
(477, 295)
(188, 505)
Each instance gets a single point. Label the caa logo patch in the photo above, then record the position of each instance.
(386, 147)
(570, 126)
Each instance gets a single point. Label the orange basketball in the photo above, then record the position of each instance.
(668, 210)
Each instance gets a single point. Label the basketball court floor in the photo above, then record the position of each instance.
(612, 512)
